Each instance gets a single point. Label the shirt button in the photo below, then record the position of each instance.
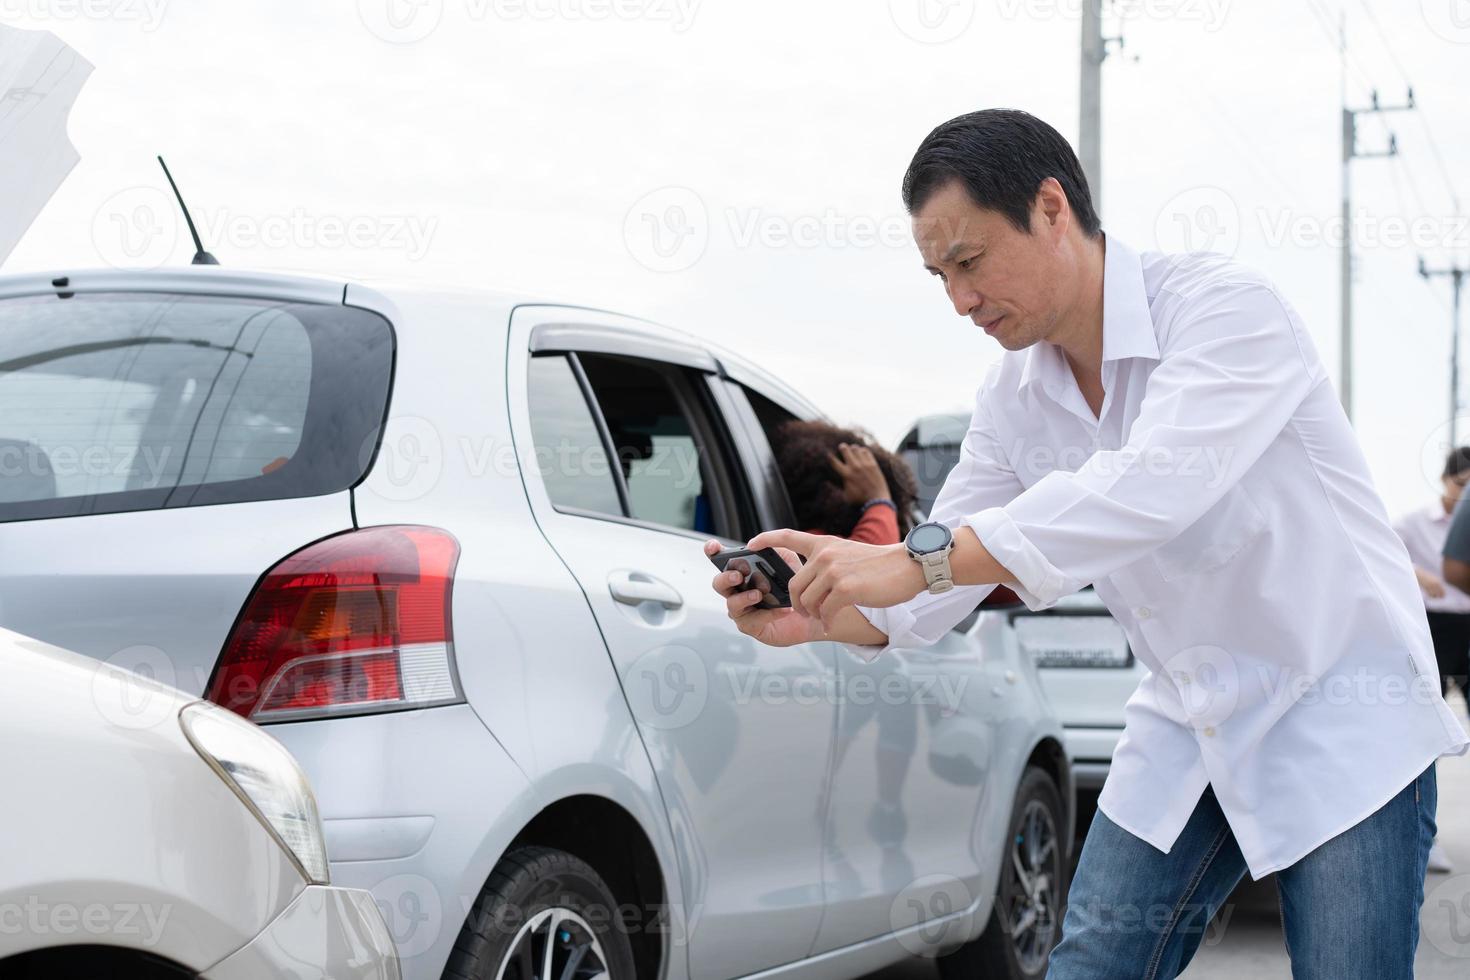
(1210, 732)
(1143, 612)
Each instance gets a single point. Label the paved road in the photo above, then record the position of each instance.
(1249, 944)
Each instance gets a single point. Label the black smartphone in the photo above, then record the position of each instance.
(764, 570)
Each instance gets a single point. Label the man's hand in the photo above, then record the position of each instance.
(773, 627)
(840, 574)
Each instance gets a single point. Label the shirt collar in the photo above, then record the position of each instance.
(1128, 325)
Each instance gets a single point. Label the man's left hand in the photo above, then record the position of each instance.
(841, 573)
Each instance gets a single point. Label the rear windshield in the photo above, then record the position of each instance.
(140, 401)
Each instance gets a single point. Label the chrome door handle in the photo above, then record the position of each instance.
(634, 588)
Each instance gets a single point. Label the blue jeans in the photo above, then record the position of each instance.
(1350, 908)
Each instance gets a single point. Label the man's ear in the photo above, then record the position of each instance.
(1052, 207)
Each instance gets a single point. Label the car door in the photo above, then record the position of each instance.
(907, 825)
(634, 468)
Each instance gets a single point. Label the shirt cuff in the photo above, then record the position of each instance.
(1038, 582)
(895, 622)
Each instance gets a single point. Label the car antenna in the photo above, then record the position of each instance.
(201, 257)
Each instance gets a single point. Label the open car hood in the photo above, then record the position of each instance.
(40, 77)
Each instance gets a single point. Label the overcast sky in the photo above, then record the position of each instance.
(732, 167)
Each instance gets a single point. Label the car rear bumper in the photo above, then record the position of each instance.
(1090, 751)
(417, 807)
(326, 932)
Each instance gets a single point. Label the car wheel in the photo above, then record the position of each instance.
(543, 915)
(1026, 920)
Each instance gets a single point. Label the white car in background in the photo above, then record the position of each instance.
(151, 836)
(1086, 667)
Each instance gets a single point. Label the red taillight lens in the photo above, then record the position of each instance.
(357, 622)
(1000, 597)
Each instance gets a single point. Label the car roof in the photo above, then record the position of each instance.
(274, 284)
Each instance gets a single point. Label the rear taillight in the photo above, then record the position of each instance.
(354, 623)
(1000, 597)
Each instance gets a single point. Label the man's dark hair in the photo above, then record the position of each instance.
(1457, 462)
(1001, 156)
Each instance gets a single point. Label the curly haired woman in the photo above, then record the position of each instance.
(842, 482)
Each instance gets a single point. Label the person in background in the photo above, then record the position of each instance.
(843, 483)
(1424, 532)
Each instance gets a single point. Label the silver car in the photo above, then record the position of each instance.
(447, 546)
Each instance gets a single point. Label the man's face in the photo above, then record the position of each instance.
(1009, 283)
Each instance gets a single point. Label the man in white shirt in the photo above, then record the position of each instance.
(1162, 428)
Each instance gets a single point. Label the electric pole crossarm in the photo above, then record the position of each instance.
(1456, 274)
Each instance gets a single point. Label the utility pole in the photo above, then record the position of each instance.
(1349, 154)
(1089, 124)
(1457, 279)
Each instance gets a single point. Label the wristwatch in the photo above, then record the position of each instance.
(929, 544)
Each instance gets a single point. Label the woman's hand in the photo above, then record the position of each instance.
(857, 468)
(840, 573)
(773, 627)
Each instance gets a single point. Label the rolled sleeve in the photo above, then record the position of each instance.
(1038, 583)
(921, 621)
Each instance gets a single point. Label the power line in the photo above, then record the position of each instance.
(1323, 18)
(1439, 160)
(1373, 20)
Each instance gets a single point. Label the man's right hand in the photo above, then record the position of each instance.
(773, 627)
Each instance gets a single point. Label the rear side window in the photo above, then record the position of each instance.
(569, 451)
(143, 401)
(639, 442)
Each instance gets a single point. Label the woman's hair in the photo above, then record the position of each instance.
(803, 451)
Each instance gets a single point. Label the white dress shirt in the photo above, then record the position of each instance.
(1423, 532)
(1222, 508)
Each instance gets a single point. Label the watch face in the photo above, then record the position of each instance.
(927, 538)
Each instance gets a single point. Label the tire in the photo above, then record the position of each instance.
(1003, 951)
(536, 893)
